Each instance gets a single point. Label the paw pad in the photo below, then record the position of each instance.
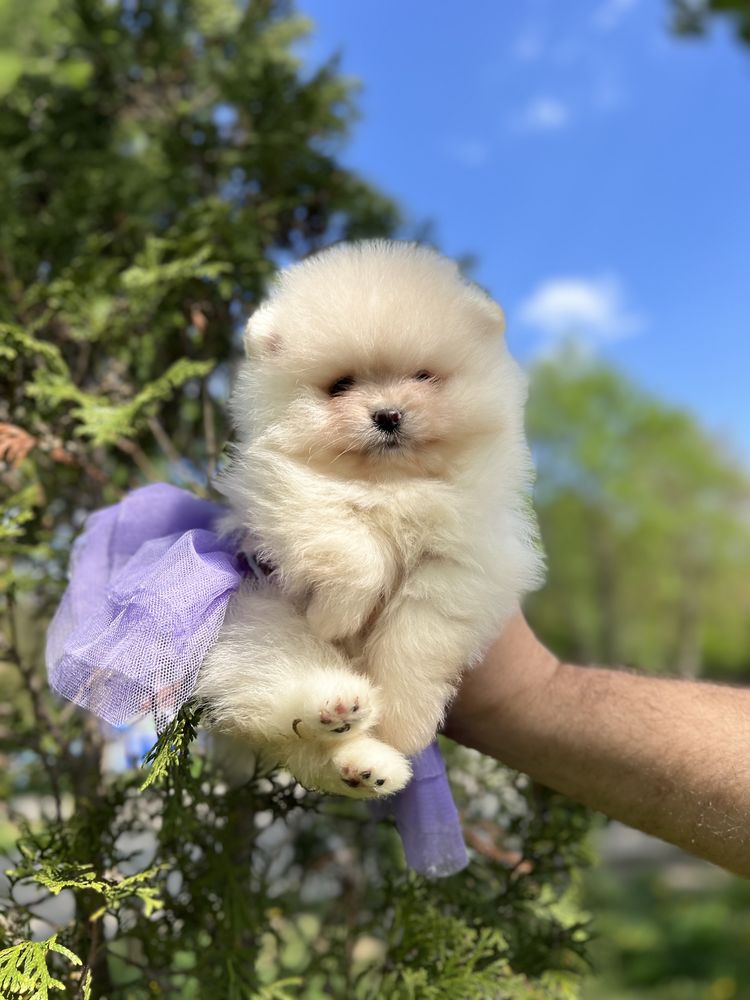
(342, 717)
(364, 779)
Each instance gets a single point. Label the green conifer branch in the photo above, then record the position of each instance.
(170, 755)
(24, 972)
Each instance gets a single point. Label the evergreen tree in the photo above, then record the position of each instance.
(693, 17)
(158, 159)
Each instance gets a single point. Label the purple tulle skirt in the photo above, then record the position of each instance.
(150, 581)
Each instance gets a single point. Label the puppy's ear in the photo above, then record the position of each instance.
(491, 312)
(496, 316)
(261, 340)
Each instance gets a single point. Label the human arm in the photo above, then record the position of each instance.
(667, 756)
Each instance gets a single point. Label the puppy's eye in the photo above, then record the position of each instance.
(340, 386)
(425, 376)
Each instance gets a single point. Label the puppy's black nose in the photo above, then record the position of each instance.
(387, 420)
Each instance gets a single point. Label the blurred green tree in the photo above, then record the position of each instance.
(656, 937)
(158, 159)
(669, 932)
(692, 17)
(644, 518)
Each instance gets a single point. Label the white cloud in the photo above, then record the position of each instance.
(544, 114)
(594, 308)
(610, 13)
(468, 152)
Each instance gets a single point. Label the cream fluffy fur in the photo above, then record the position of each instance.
(398, 555)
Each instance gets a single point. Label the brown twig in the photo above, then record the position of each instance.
(96, 960)
(15, 443)
(140, 458)
(164, 441)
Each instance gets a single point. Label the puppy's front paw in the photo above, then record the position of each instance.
(369, 769)
(335, 704)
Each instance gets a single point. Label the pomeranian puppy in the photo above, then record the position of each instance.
(383, 472)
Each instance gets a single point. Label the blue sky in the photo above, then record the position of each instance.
(597, 167)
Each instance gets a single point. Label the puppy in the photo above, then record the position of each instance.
(382, 471)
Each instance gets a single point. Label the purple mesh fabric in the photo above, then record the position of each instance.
(149, 586)
(150, 581)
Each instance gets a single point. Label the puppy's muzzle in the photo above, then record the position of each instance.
(387, 421)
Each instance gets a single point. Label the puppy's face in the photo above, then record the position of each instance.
(374, 359)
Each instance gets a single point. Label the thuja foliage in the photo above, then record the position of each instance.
(157, 161)
(267, 891)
